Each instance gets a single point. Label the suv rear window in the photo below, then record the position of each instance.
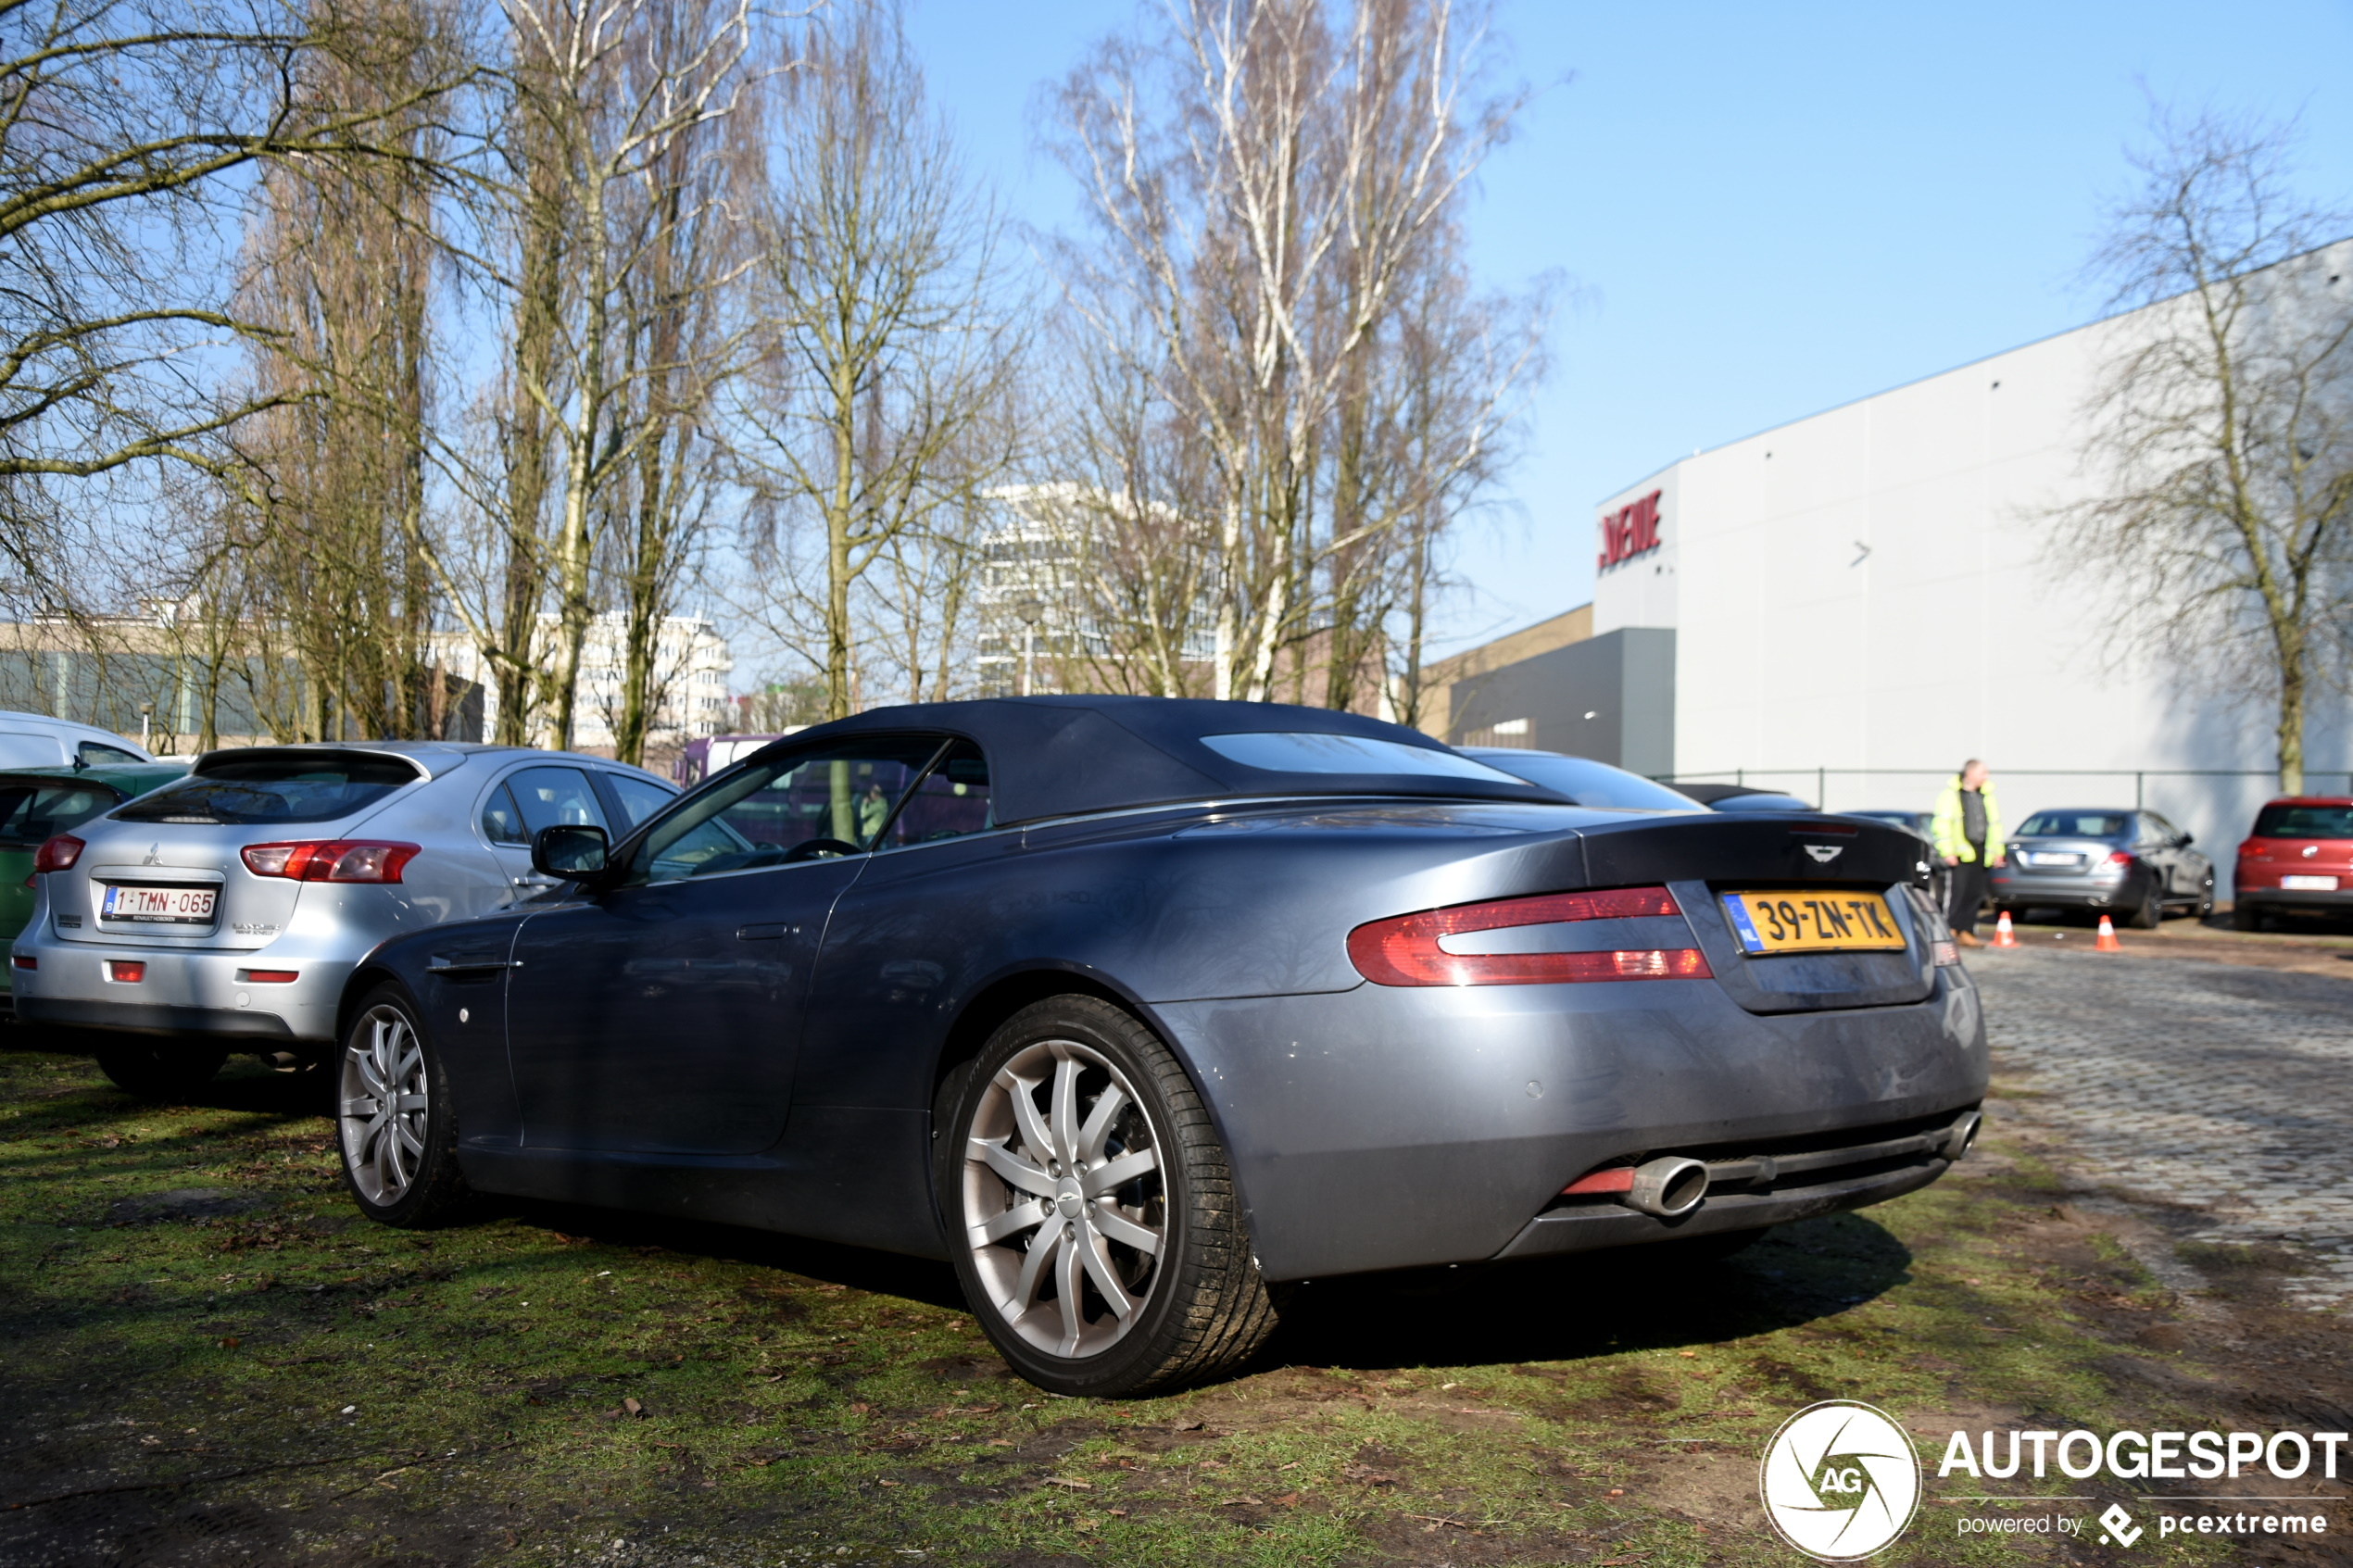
(2304, 821)
(31, 812)
(273, 789)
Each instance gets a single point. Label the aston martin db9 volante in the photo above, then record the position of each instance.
(1137, 1009)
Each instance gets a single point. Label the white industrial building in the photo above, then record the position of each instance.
(1850, 605)
(691, 666)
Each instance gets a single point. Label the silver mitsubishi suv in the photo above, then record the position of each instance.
(225, 911)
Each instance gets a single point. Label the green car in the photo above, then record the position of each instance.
(38, 802)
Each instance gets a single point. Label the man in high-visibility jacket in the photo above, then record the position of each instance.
(1967, 831)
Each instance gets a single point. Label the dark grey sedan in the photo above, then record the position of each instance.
(1135, 1008)
(2103, 859)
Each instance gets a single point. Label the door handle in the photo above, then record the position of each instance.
(768, 932)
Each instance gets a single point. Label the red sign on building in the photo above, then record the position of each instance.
(1630, 531)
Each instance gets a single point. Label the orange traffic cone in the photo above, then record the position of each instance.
(2107, 942)
(2003, 935)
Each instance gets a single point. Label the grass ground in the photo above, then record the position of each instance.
(206, 1357)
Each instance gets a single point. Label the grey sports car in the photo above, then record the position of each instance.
(1138, 1009)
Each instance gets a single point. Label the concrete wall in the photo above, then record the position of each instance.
(1610, 697)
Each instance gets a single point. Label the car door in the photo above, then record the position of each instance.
(661, 1012)
(2191, 867)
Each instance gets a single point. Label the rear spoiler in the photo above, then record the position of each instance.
(324, 751)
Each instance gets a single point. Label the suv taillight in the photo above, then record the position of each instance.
(1405, 950)
(57, 854)
(338, 860)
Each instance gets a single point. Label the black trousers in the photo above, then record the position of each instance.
(1967, 885)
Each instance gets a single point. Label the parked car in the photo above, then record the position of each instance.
(1741, 797)
(36, 804)
(1136, 1007)
(35, 740)
(1582, 780)
(2298, 859)
(2100, 858)
(226, 909)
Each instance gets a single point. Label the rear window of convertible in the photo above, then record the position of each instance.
(1300, 751)
(273, 789)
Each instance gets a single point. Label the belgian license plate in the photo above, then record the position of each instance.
(1812, 921)
(160, 906)
(2032, 859)
(2309, 884)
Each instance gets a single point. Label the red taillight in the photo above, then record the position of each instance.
(2119, 858)
(57, 853)
(24, 960)
(1405, 951)
(268, 976)
(338, 860)
(129, 971)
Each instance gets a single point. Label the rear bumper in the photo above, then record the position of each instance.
(1778, 1195)
(1385, 1128)
(153, 1019)
(2293, 898)
(2064, 892)
(185, 991)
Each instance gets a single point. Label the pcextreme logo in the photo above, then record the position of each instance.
(1840, 1481)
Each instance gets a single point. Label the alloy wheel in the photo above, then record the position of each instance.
(384, 1105)
(1064, 1198)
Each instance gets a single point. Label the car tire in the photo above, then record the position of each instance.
(1170, 1240)
(164, 1072)
(396, 1118)
(2246, 917)
(2150, 913)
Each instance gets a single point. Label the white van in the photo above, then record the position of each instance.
(35, 740)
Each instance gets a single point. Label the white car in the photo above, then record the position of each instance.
(35, 740)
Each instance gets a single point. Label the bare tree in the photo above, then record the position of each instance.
(2223, 422)
(682, 330)
(121, 125)
(616, 93)
(890, 345)
(1264, 179)
(342, 268)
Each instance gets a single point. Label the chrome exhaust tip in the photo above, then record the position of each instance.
(1961, 1136)
(1668, 1187)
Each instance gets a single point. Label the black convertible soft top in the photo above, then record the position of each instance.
(1062, 755)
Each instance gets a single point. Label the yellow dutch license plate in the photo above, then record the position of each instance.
(1812, 921)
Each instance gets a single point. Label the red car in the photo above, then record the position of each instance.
(2300, 856)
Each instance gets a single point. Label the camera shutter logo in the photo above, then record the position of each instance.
(1840, 1481)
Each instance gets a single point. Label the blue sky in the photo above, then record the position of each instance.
(1765, 210)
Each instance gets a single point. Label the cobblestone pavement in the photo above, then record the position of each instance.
(2224, 1091)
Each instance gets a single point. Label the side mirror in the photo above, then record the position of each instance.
(570, 851)
(2186, 840)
